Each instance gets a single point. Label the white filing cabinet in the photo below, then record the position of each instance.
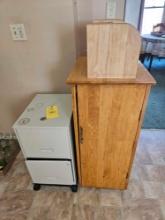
(47, 144)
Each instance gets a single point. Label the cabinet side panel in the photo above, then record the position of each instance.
(109, 116)
(147, 93)
(76, 129)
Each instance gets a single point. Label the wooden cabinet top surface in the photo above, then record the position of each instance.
(79, 76)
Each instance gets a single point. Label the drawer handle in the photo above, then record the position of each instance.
(81, 138)
(47, 149)
(50, 178)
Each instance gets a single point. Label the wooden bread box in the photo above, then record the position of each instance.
(108, 114)
(113, 48)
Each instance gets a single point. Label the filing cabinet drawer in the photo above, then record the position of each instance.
(45, 143)
(51, 172)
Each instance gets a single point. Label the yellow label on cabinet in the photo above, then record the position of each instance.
(52, 112)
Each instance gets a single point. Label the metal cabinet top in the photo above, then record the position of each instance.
(36, 111)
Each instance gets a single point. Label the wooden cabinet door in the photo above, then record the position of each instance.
(108, 123)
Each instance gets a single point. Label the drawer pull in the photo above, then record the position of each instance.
(81, 135)
(48, 150)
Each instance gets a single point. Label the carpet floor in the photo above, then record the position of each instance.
(155, 113)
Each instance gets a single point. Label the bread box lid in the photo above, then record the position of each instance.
(113, 49)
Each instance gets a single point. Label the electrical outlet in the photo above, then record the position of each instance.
(18, 32)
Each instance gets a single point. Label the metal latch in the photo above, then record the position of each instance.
(81, 138)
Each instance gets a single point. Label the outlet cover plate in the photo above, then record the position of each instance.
(18, 32)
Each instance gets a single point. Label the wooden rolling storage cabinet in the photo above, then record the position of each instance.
(108, 115)
(47, 143)
(108, 111)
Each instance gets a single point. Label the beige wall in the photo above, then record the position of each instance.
(133, 12)
(87, 11)
(41, 63)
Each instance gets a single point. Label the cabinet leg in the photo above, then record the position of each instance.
(74, 188)
(150, 64)
(36, 186)
(142, 57)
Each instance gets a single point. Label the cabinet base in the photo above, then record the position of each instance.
(37, 186)
(74, 188)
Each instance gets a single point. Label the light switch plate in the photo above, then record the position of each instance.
(18, 32)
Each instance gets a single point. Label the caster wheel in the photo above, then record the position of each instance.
(36, 187)
(74, 188)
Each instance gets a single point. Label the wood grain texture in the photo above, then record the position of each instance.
(76, 128)
(147, 93)
(79, 76)
(112, 50)
(109, 116)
